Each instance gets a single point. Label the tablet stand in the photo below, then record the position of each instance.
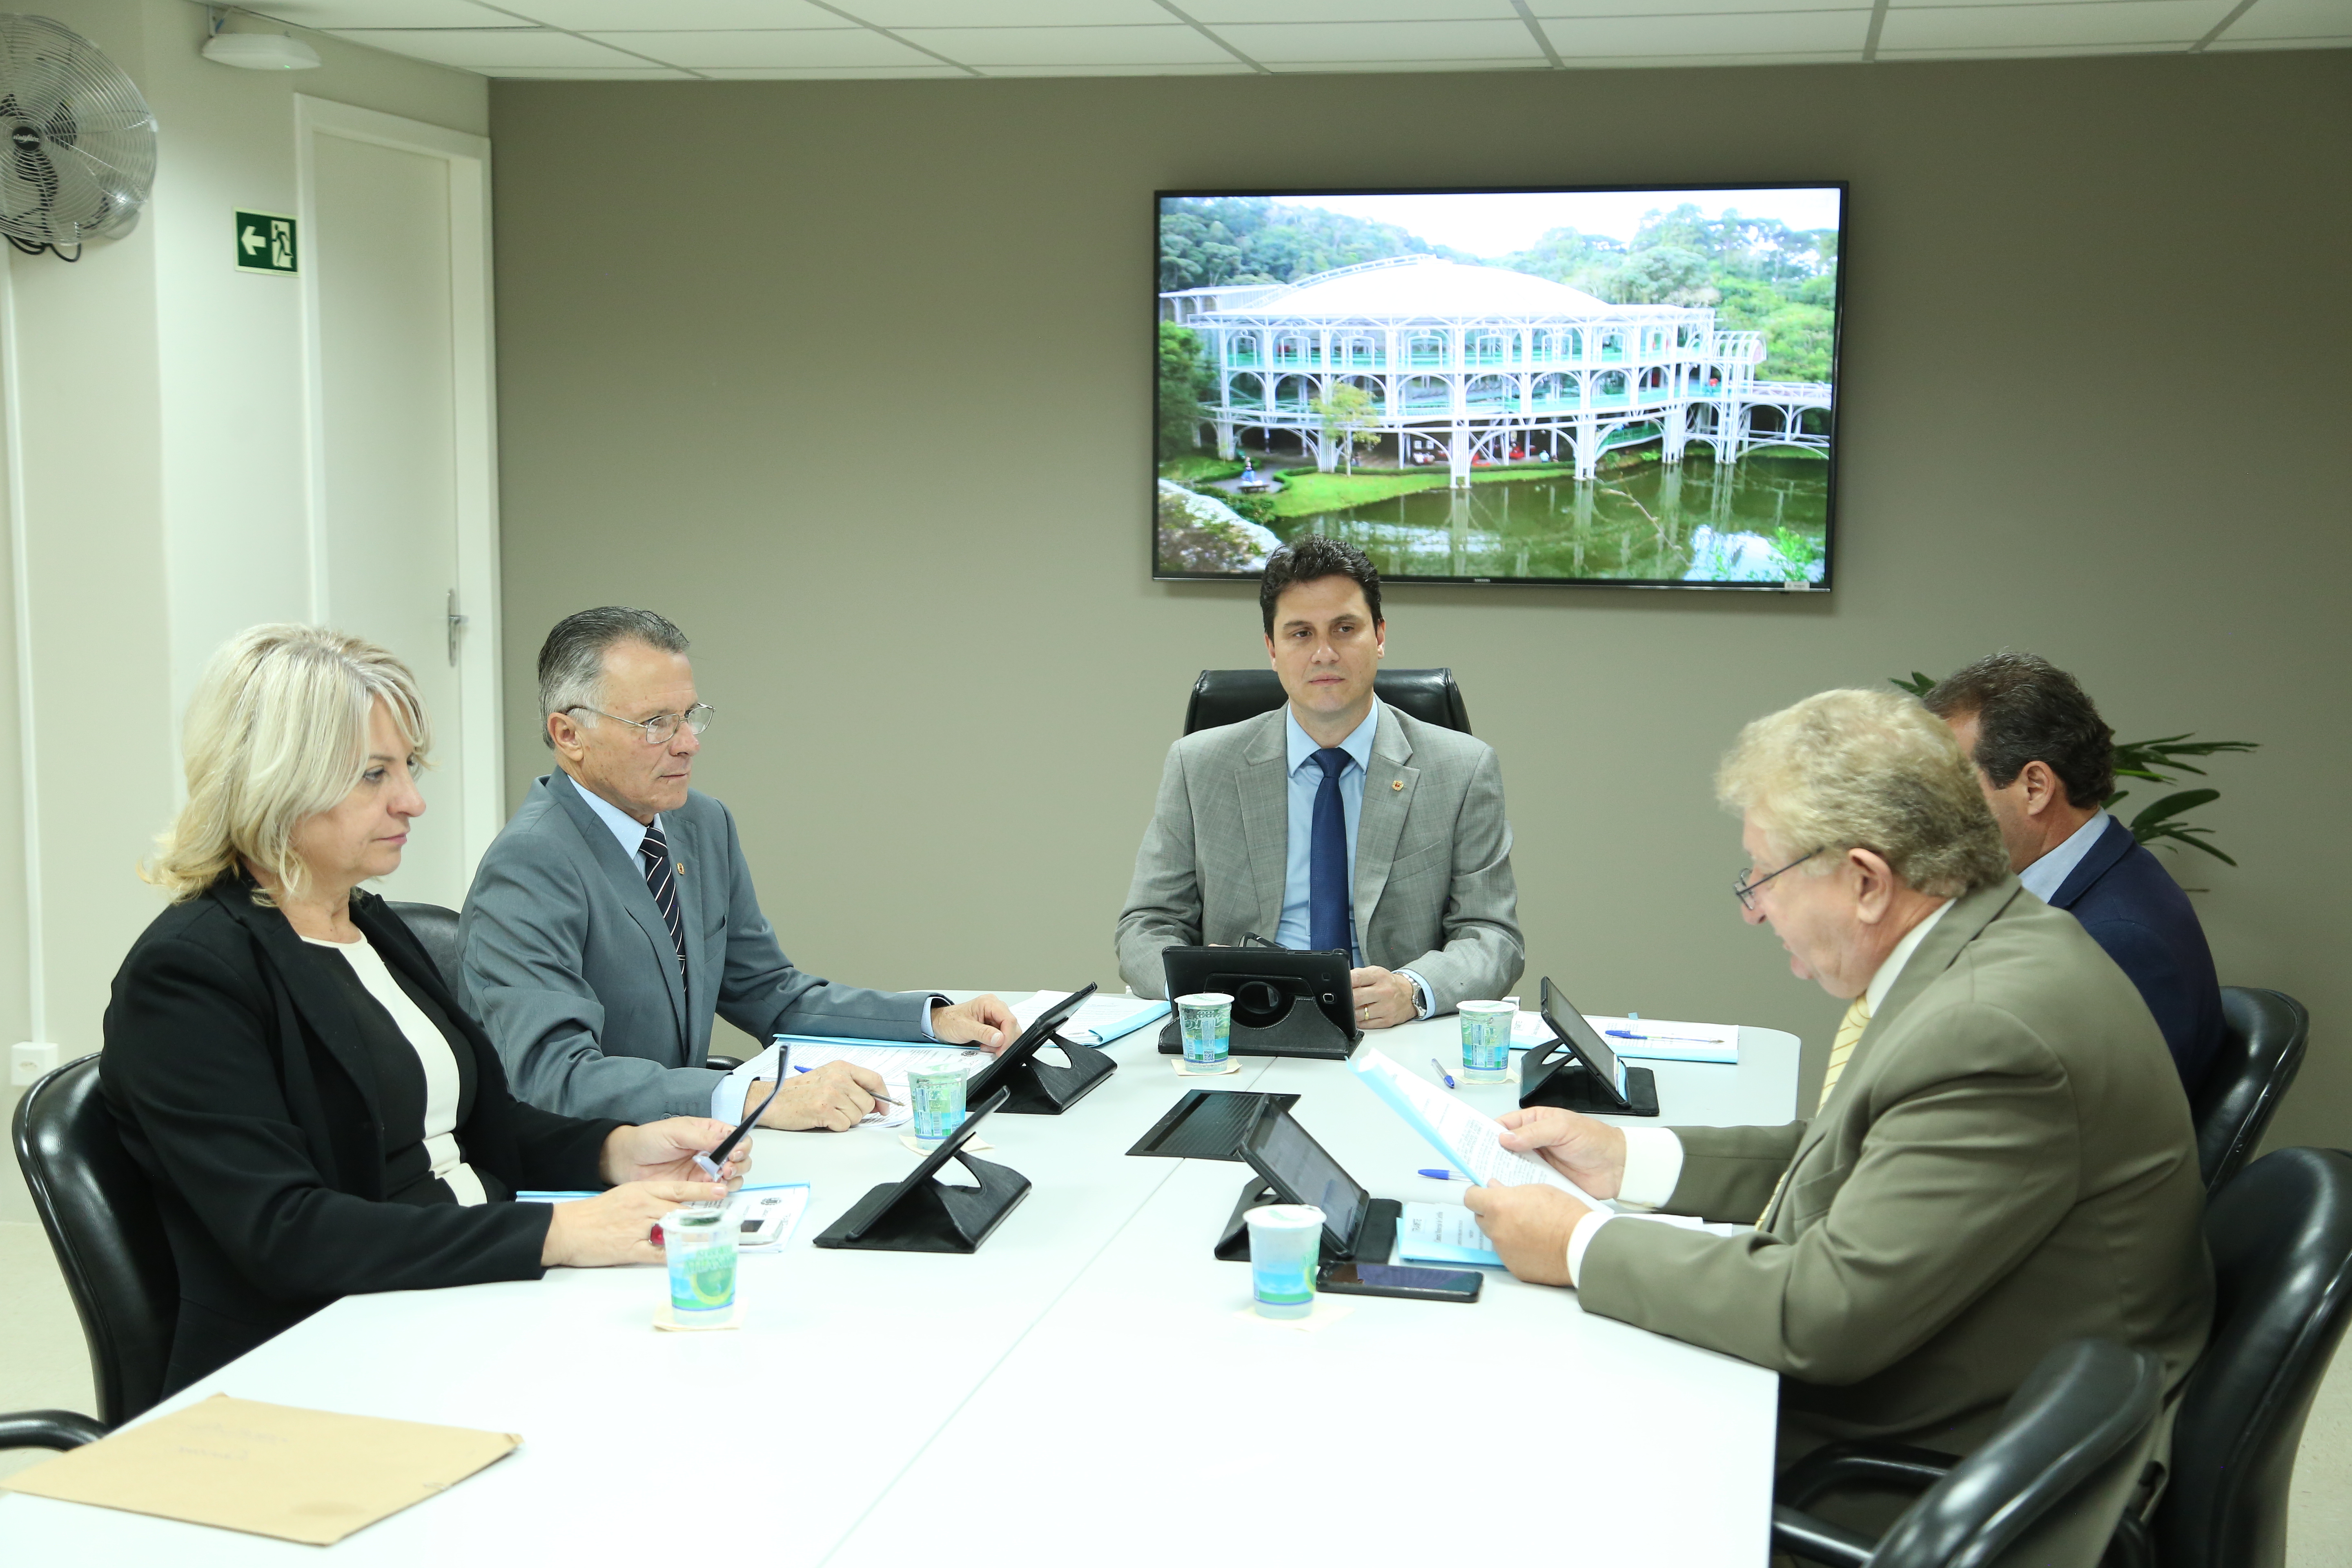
(1041, 1089)
(1554, 1076)
(1375, 1235)
(930, 1216)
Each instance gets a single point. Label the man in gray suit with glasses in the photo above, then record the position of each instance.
(1335, 822)
(614, 915)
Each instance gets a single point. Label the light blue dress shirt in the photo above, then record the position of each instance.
(1306, 779)
(2047, 875)
(727, 1098)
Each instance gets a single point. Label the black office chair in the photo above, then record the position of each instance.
(2265, 1035)
(59, 1429)
(2071, 1433)
(99, 1212)
(2281, 1234)
(436, 928)
(1230, 696)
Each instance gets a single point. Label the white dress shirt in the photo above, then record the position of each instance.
(727, 1098)
(1654, 1155)
(442, 1084)
(2047, 875)
(1305, 780)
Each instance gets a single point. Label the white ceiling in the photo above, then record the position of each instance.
(821, 39)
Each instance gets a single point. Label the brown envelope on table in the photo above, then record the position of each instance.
(269, 1469)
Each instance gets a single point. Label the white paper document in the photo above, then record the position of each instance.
(1100, 1018)
(1470, 1139)
(893, 1062)
(767, 1215)
(1656, 1039)
(1441, 1233)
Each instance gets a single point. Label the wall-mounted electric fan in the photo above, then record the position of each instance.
(80, 156)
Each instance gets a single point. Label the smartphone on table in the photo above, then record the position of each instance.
(1394, 1279)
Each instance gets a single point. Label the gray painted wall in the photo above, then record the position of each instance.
(852, 381)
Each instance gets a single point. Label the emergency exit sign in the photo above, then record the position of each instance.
(265, 243)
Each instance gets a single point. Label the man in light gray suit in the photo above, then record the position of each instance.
(1334, 822)
(614, 915)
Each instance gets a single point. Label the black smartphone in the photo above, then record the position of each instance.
(1388, 1279)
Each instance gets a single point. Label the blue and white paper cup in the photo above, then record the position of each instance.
(1206, 1020)
(700, 1247)
(1486, 1039)
(1284, 1241)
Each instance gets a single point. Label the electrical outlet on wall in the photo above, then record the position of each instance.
(29, 1060)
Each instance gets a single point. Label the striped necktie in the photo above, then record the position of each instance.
(1850, 1028)
(661, 880)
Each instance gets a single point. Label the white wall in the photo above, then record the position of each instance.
(158, 426)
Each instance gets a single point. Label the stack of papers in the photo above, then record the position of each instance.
(1655, 1039)
(1100, 1018)
(1442, 1233)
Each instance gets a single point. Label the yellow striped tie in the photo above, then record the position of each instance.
(1850, 1028)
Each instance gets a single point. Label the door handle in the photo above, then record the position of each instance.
(456, 623)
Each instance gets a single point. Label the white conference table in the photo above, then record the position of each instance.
(1088, 1384)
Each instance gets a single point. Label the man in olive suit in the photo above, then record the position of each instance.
(2000, 1159)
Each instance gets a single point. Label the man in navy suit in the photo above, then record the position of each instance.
(2047, 761)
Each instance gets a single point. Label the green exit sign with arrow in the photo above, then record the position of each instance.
(265, 243)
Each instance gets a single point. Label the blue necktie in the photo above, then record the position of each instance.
(1329, 905)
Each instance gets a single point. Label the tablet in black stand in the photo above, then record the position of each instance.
(923, 1214)
(1287, 1002)
(1577, 1071)
(1032, 1088)
(1289, 1166)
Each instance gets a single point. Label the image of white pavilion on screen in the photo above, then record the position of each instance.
(1482, 366)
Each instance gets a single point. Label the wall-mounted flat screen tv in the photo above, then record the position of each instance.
(1630, 387)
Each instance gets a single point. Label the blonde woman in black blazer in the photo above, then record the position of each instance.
(318, 1116)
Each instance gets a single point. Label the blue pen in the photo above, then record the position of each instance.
(1441, 1072)
(1442, 1174)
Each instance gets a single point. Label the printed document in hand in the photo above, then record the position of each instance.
(1470, 1139)
(1100, 1018)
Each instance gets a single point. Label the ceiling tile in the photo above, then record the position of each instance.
(928, 69)
(841, 46)
(2023, 27)
(587, 73)
(1644, 62)
(1173, 44)
(670, 16)
(2033, 51)
(895, 13)
(1359, 68)
(1745, 33)
(327, 14)
(2222, 44)
(2293, 19)
(1427, 42)
(1215, 12)
(1231, 68)
(1546, 10)
(487, 49)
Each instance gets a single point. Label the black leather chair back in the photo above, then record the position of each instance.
(100, 1211)
(2264, 1034)
(2071, 1435)
(2281, 1234)
(437, 928)
(1230, 696)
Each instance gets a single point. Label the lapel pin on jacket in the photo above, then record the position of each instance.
(1396, 783)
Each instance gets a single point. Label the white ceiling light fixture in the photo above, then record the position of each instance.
(261, 52)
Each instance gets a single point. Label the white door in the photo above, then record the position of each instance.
(398, 427)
